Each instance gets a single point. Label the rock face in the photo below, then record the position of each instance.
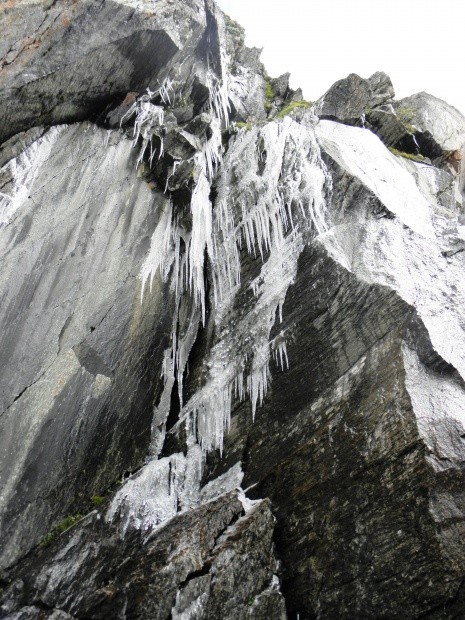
(233, 330)
(214, 558)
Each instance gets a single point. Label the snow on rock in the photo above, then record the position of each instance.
(363, 155)
(439, 402)
(409, 253)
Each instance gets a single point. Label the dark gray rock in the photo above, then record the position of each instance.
(381, 88)
(439, 130)
(64, 62)
(347, 100)
(391, 129)
(280, 85)
(435, 117)
(248, 87)
(240, 582)
(215, 560)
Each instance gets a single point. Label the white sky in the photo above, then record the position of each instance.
(418, 43)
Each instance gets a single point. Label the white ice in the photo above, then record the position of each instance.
(23, 171)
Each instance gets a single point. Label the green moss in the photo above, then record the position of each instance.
(234, 27)
(411, 156)
(97, 500)
(405, 114)
(241, 125)
(410, 128)
(294, 105)
(269, 95)
(63, 526)
(269, 91)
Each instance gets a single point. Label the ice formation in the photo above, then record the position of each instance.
(278, 203)
(160, 256)
(158, 491)
(271, 202)
(167, 486)
(22, 171)
(148, 123)
(276, 206)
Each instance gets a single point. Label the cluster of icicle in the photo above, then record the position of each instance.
(271, 199)
(149, 119)
(276, 207)
(270, 202)
(271, 187)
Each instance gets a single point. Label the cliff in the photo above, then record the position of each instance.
(233, 328)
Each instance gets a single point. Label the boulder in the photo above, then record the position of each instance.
(347, 100)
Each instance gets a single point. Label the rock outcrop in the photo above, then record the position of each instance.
(233, 338)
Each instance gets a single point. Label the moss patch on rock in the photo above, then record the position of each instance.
(294, 105)
(64, 525)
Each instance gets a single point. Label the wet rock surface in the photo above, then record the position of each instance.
(210, 286)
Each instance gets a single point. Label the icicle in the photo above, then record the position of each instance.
(160, 256)
(23, 171)
(273, 199)
(271, 202)
(239, 385)
(148, 123)
(212, 417)
(201, 239)
(170, 176)
(165, 90)
(280, 352)
(259, 376)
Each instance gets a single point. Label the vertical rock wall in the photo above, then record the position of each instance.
(209, 285)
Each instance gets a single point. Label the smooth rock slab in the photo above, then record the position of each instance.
(79, 353)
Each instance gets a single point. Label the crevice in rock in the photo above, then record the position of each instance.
(175, 407)
(201, 572)
(223, 532)
(417, 338)
(27, 388)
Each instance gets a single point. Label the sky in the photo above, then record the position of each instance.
(418, 43)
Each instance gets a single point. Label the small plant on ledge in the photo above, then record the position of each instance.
(294, 105)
